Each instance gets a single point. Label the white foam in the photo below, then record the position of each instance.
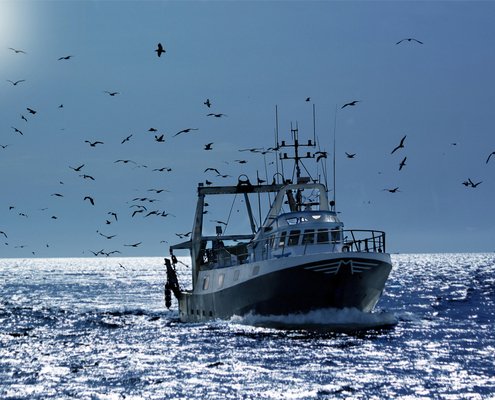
(327, 320)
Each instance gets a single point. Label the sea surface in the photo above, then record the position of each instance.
(97, 328)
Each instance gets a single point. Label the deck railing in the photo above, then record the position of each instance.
(284, 245)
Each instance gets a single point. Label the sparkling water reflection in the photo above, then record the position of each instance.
(94, 329)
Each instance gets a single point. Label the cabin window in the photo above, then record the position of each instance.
(293, 238)
(256, 270)
(322, 236)
(236, 275)
(220, 281)
(206, 282)
(335, 236)
(282, 239)
(309, 236)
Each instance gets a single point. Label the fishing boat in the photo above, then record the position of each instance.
(299, 259)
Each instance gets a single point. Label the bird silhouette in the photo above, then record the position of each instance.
(488, 159)
(3, 146)
(401, 145)
(15, 83)
(126, 139)
(321, 154)
(114, 214)
(87, 177)
(111, 93)
(3, 233)
(352, 103)
(212, 169)
(216, 115)
(160, 50)
(17, 130)
(474, 184)
(65, 58)
(185, 131)
(392, 190)
(208, 146)
(78, 168)
(105, 236)
(350, 155)
(402, 163)
(308, 99)
(133, 245)
(24, 118)
(409, 39)
(90, 200)
(207, 102)
(152, 130)
(159, 139)
(124, 161)
(93, 144)
(31, 111)
(17, 51)
(57, 194)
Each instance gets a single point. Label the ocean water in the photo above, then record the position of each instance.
(97, 328)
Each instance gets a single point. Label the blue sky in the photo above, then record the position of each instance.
(247, 57)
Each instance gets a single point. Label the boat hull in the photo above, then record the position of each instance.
(288, 286)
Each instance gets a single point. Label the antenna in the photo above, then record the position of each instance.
(334, 135)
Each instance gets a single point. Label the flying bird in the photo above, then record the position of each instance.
(160, 50)
(87, 177)
(78, 168)
(133, 245)
(208, 146)
(3, 146)
(488, 159)
(159, 139)
(308, 99)
(114, 214)
(402, 163)
(392, 190)
(401, 145)
(24, 118)
(15, 83)
(17, 51)
(124, 161)
(185, 131)
(58, 195)
(212, 169)
(17, 130)
(217, 115)
(65, 58)
(409, 39)
(90, 200)
(31, 111)
(93, 144)
(352, 103)
(350, 155)
(321, 154)
(207, 102)
(474, 184)
(111, 93)
(126, 139)
(3, 233)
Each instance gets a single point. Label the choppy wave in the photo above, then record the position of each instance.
(97, 328)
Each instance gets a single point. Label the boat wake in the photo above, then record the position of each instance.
(345, 320)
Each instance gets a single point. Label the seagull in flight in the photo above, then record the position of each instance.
(159, 139)
(488, 159)
(207, 102)
(409, 39)
(352, 103)
(17, 51)
(111, 93)
(77, 169)
(216, 115)
(15, 83)
(185, 131)
(474, 184)
(208, 146)
(400, 145)
(392, 190)
(65, 58)
(402, 163)
(90, 200)
(93, 144)
(160, 50)
(17, 130)
(31, 111)
(126, 139)
(350, 155)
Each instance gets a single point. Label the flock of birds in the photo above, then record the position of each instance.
(140, 205)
